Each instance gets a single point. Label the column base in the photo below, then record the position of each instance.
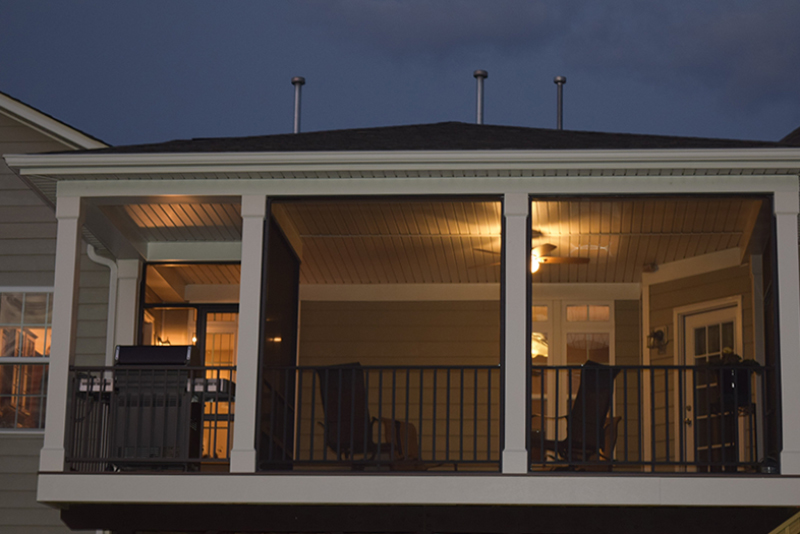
(243, 461)
(790, 463)
(515, 462)
(51, 460)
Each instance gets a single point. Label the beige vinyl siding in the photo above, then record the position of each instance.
(27, 225)
(19, 511)
(27, 259)
(90, 347)
(411, 334)
(627, 342)
(664, 298)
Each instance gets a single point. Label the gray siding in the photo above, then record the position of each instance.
(19, 511)
(27, 258)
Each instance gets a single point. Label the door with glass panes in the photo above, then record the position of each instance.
(710, 429)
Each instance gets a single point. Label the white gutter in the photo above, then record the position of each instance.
(89, 164)
(112, 301)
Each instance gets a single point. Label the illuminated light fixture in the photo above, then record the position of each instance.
(274, 339)
(534, 262)
(194, 339)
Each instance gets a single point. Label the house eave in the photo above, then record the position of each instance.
(80, 166)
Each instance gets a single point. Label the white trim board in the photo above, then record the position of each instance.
(585, 292)
(46, 125)
(706, 263)
(195, 251)
(399, 292)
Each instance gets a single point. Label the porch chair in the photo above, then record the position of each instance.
(585, 441)
(349, 428)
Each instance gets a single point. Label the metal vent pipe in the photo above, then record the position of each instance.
(480, 75)
(298, 82)
(560, 81)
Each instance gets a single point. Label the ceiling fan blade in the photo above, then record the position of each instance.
(560, 259)
(544, 250)
(486, 251)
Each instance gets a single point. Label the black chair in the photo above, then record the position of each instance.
(585, 439)
(348, 427)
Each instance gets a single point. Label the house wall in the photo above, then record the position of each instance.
(27, 259)
(627, 338)
(411, 334)
(664, 299)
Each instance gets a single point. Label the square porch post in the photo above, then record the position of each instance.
(516, 207)
(243, 452)
(62, 348)
(786, 210)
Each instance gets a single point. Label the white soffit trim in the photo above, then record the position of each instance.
(91, 164)
(399, 292)
(195, 251)
(706, 263)
(586, 292)
(47, 125)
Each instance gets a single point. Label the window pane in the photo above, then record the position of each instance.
(582, 347)
(599, 313)
(577, 313)
(9, 342)
(33, 342)
(170, 326)
(22, 391)
(11, 308)
(727, 336)
(539, 313)
(699, 341)
(539, 348)
(713, 339)
(35, 308)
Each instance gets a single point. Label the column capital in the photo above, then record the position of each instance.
(786, 204)
(516, 204)
(254, 206)
(68, 207)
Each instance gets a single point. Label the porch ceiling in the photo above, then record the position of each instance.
(179, 222)
(381, 242)
(458, 241)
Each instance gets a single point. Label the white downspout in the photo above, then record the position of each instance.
(112, 301)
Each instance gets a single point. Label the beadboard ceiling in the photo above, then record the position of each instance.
(458, 241)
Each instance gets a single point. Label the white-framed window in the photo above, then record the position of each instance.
(25, 330)
(567, 332)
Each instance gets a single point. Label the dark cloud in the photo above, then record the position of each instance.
(747, 51)
(438, 28)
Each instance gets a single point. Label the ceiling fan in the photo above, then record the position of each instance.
(541, 254)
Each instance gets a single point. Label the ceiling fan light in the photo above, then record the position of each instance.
(534, 263)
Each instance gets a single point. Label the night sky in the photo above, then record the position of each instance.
(150, 71)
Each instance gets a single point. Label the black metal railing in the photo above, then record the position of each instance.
(126, 418)
(663, 418)
(398, 418)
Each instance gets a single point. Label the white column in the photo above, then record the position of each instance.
(243, 453)
(129, 276)
(515, 455)
(786, 209)
(62, 349)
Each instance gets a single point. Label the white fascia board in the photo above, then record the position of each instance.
(195, 251)
(415, 489)
(47, 125)
(88, 164)
(548, 185)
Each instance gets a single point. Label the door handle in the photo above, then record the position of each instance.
(688, 421)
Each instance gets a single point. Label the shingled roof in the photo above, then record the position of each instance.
(438, 136)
